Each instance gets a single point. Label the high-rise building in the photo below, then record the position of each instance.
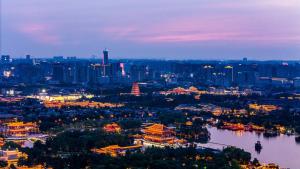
(105, 57)
(58, 72)
(135, 89)
(28, 57)
(81, 72)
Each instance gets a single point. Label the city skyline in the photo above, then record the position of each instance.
(221, 30)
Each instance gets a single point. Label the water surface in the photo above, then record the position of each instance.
(282, 150)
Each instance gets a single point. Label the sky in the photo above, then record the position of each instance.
(152, 29)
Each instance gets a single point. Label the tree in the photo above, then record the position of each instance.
(10, 146)
(22, 161)
(238, 154)
(3, 164)
(12, 166)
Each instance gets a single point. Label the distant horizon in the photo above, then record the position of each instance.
(153, 59)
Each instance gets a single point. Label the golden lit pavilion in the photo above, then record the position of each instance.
(158, 135)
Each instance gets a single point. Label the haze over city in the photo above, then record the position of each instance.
(159, 29)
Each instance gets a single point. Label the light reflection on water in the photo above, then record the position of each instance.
(282, 150)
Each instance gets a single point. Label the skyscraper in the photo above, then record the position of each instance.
(58, 72)
(105, 57)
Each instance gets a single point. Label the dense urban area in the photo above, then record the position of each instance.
(68, 112)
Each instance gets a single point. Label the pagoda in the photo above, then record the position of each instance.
(135, 89)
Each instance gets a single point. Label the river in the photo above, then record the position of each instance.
(282, 150)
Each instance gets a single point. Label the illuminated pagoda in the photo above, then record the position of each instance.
(158, 135)
(135, 89)
(112, 128)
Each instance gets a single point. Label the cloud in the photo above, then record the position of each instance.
(39, 32)
(209, 28)
(269, 24)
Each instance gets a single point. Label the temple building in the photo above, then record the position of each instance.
(183, 91)
(11, 156)
(112, 128)
(116, 150)
(19, 129)
(158, 135)
(135, 89)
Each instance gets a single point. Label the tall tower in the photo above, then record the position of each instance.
(135, 89)
(105, 57)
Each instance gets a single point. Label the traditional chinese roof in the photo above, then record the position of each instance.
(17, 124)
(114, 150)
(157, 129)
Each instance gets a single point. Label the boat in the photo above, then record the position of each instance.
(258, 146)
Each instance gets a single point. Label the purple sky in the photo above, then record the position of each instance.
(163, 29)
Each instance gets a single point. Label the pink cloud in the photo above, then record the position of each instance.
(42, 33)
(190, 37)
(209, 28)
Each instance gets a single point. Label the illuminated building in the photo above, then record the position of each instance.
(11, 99)
(265, 108)
(20, 129)
(1, 142)
(252, 127)
(84, 104)
(60, 98)
(7, 73)
(135, 89)
(262, 166)
(11, 156)
(158, 135)
(112, 128)
(189, 123)
(123, 69)
(234, 127)
(33, 167)
(116, 150)
(183, 91)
